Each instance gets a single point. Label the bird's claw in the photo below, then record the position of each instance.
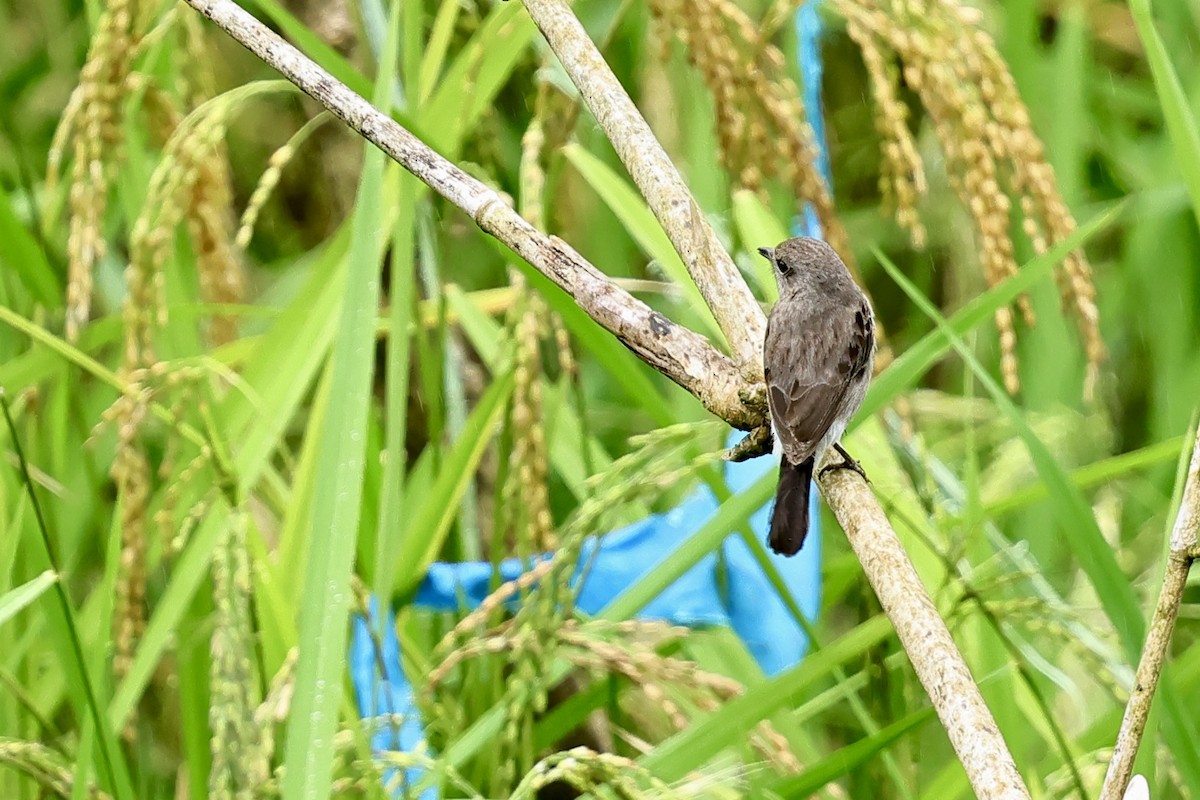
(847, 462)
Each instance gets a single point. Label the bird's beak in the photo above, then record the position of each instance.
(768, 253)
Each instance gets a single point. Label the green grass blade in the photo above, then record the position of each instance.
(474, 78)
(635, 215)
(758, 227)
(727, 727)
(324, 612)
(283, 365)
(1071, 508)
(849, 758)
(17, 598)
(427, 527)
(434, 56)
(401, 296)
(903, 373)
(63, 621)
(1181, 123)
(1068, 134)
(22, 256)
(291, 550)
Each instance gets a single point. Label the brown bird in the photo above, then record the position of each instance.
(818, 354)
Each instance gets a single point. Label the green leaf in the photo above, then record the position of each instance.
(1074, 514)
(476, 76)
(727, 727)
(1069, 134)
(758, 227)
(337, 501)
(846, 759)
(1181, 123)
(281, 368)
(635, 215)
(434, 55)
(402, 294)
(21, 255)
(18, 598)
(64, 626)
(429, 522)
(903, 373)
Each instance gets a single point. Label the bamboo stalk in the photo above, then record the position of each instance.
(1182, 551)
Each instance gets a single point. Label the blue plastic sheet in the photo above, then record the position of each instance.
(614, 562)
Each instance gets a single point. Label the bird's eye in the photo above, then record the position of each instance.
(769, 254)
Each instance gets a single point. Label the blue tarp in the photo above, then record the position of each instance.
(614, 562)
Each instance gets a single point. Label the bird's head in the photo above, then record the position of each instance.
(802, 258)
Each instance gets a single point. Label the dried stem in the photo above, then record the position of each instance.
(1183, 550)
(939, 666)
(684, 356)
(722, 286)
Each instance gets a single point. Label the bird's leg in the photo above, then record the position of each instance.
(847, 462)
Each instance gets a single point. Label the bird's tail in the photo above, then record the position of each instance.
(789, 520)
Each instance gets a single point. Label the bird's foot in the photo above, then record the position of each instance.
(847, 462)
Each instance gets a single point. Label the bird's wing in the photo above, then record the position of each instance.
(814, 355)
